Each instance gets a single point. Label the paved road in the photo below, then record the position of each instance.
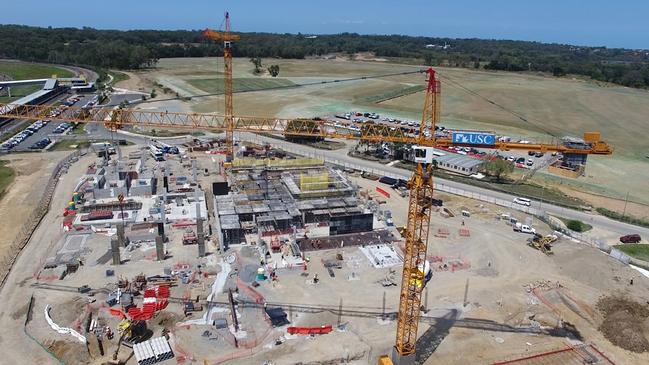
(341, 157)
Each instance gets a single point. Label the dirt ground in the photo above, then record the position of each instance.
(18, 347)
(32, 173)
(477, 306)
(501, 265)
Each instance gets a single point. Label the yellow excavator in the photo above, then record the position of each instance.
(542, 243)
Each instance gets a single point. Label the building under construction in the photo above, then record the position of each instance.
(301, 197)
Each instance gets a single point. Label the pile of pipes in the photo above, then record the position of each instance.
(152, 351)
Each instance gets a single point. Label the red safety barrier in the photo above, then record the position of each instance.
(322, 330)
(117, 313)
(163, 291)
(385, 193)
(149, 293)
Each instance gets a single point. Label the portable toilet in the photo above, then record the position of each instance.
(261, 276)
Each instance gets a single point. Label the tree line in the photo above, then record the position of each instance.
(135, 49)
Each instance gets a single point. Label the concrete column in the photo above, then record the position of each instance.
(114, 248)
(194, 176)
(159, 248)
(120, 235)
(199, 231)
(161, 230)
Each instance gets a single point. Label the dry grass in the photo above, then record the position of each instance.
(560, 106)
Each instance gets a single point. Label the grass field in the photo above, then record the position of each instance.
(639, 251)
(118, 76)
(25, 70)
(394, 93)
(554, 107)
(240, 84)
(18, 92)
(7, 175)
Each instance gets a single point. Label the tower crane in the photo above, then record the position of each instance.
(415, 268)
(227, 39)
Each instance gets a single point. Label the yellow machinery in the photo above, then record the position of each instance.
(124, 327)
(227, 39)
(543, 243)
(420, 184)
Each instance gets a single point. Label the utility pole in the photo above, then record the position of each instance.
(626, 200)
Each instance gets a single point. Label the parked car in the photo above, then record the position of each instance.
(530, 162)
(520, 160)
(523, 201)
(631, 238)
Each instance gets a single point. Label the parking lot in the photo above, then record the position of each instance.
(47, 131)
(521, 159)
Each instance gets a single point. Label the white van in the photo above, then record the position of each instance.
(523, 201)
(523, 228)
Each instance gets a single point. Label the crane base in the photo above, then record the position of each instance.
(398, 359)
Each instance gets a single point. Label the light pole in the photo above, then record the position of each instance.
(626, 200)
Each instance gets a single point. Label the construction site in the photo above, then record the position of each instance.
(285, 259)
(235, 248)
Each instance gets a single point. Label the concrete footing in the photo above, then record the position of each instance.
(398, 359)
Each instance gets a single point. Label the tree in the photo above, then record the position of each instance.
(575, 225)
(153, 94)
(499, 168)
(558, 71)
(273, 70)
(428, 59)
(257, 62)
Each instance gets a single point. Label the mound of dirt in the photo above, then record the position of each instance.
(624, 322)
(69, 353)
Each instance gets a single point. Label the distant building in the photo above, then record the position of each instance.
(453, 162)
(438, 46)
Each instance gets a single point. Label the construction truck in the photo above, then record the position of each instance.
(189, 237)
(542, 243)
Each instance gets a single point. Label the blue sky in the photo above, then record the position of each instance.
(621, 23)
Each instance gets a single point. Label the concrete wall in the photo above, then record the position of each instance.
(109, 193)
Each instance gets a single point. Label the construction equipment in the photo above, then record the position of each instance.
(190, 307)
(414, 276)
(189, 237)
(124, 328)
(227, 39)
(542, 243)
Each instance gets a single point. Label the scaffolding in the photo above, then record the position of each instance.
(249, 162)
(311, 182)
